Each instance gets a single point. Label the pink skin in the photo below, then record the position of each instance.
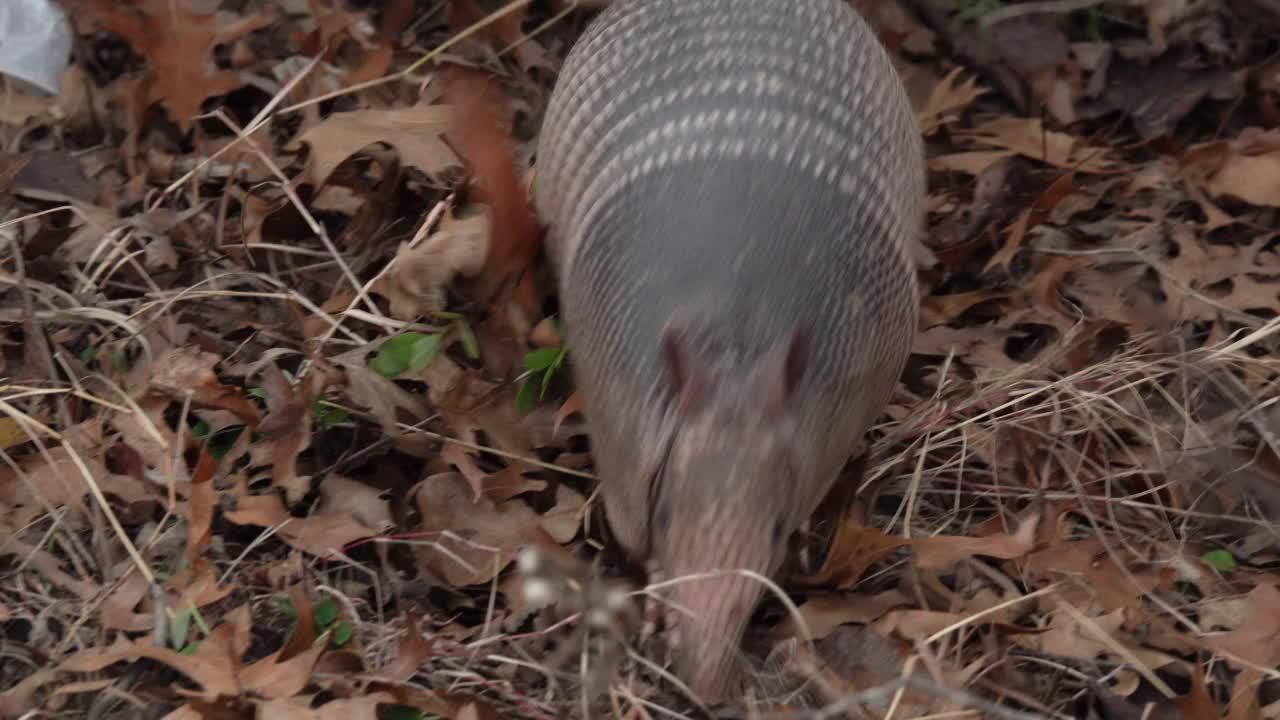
(724, 502)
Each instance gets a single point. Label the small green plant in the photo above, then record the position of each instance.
(540, 366)
(415, 351)
(180, 626)
(1221, 560)
(328, 415)
(325, 616)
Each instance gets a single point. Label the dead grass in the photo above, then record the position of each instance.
(1038, 534)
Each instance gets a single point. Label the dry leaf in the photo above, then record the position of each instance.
(187, 371)
(339, 493)
(1028, 138)
(321, 533)
(853, 549)
(413, 131)
(479, 130)
(299, 708)
(1257, 641)
(286, 429)
(485, 535)
(381, 396)
(948, 98)
(1252, 178)
(940, 552)
(916, 624)
(74, 106)
(212, 666)
(412, 650)
(824, 613)
(416, 281)
(563, 521)
(178, 45)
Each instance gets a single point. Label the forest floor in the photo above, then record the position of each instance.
(288, 431)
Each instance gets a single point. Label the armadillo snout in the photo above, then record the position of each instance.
(706, 631)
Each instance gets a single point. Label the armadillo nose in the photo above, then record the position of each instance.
(711, 675)
(707, 653)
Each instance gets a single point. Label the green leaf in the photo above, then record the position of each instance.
(342, 632)
(469, 342)
(285, 606)
(200, 623)
(395, 355)
(1221, 560)
(525, 398)
(424, 352)
(88, 354)
(327, 415)
(190, 649)
(541, 359)
(546, 381)
(256, 392)
(325, 612)
(179, 625)
(200, 430)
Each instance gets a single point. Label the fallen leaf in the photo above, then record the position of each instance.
(853, 549)
(479, 130)
(276, 676)
(286, 429)
(1089, 638)
(19, 699)
(367, 504)
(412, 650)
(1028, 138)
(323, 534)
(74, 106)
(1257, 641)
(1254, 178)
(199, 508)
(184, 372)
(940, 552)
(212, 666)
(916, 624)
(11, 433)
(177, 44)
(563, 521)
(482, 537)
(1057, 191)
(948, 98)
(300, 708)
(414, 131)
(53, 176)
(416, 280)
(824, 613)
(382, 397)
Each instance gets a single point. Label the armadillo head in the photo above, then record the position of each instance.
(726, 497)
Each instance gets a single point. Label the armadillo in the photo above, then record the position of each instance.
(731, 189)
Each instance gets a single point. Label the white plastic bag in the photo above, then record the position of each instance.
(35, 42)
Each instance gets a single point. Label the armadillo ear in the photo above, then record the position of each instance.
(782, 370)
(689, 379)
(797, 362)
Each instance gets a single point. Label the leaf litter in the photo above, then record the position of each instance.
(285, 431)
